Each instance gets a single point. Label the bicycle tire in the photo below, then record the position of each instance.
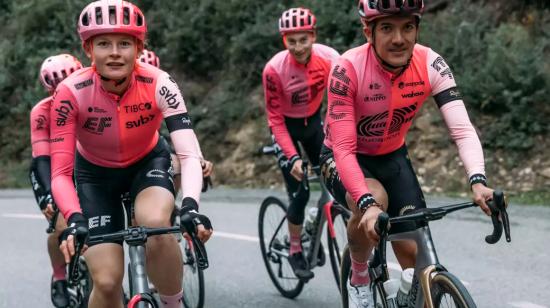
(83, 289)
(193, 277)
(444, 287)
(336, 245)
(288, 286)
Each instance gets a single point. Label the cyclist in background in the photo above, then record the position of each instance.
(375, 92)
(105, 121)
(294, 82)
(53, 70)
(149, 57)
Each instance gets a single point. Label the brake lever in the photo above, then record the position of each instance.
(495, 205)
(188, 226)
(80, 240)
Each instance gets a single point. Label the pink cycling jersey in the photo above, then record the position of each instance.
(371, 110)
(40, 128)
(294, 90)
(117, 131)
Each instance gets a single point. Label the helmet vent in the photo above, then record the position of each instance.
(112, 15)
(85, 20)
(98, 16)
(126, 16)
(139, 21)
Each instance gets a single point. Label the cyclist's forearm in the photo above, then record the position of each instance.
(464, 136)
(187, 151)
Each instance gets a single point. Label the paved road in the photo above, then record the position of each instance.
(501, 275)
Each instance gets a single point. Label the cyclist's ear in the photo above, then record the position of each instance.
(87, 46)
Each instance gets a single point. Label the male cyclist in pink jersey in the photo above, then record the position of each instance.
(149, 57)
(294, 83)
(375, 91)
(53, 70)
(104, 122)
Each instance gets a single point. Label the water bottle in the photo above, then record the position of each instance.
(310, 220)
(404, 287)
(391, 286)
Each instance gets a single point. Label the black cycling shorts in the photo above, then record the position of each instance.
(309, 133)
(393, 170)
(100, 188)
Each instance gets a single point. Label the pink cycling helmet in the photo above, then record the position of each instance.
(56, 68)
(370, 10)
(296, 20)
(149, 57)
(111, 16)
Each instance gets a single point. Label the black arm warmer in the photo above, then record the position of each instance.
(40, 177)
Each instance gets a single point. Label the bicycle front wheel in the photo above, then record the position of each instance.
(193, 276)
(448, 291)
(275, 244)
(337, 240)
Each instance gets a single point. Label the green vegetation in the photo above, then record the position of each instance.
(217, 50)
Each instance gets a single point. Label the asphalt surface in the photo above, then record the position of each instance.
(515, 274)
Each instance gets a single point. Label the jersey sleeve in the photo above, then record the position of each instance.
(449, 100)
(40, 134)
(63, 125)
(275, 118)
(342, 129)
(186, 145)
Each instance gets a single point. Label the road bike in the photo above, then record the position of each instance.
(140, 294)
(432, 286)
(275, 240)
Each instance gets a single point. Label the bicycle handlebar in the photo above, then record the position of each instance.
(497, 206)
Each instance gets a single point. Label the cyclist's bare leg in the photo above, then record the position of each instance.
(56, 257)
(405, 251)
(153, 208)
(106, 265)
(359, 245)
(177, 172)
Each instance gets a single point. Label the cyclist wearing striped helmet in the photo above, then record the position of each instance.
(375, 92)
(53, 70)
(294, 83)
(104, 122)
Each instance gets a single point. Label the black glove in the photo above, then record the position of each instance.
(78, 227)
(190, 218)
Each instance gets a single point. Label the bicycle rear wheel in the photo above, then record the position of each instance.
(193, 276)
(337, 243)
(448, 291)
(274, 245)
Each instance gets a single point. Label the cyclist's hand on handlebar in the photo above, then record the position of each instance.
(297, 172)
(368, 220)
(202, 224)
(482, 194)
(77, 230)
(48, 211)
(207, 167)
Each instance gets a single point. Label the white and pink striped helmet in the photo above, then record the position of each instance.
(147, 56)
(56, 68)
(297, 20)
(111, 16)
(370, 10)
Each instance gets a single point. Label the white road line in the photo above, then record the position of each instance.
(234, 236)
(526, 305)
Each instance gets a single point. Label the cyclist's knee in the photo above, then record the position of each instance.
(297, 207)
(378, 192)
(109, 285)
